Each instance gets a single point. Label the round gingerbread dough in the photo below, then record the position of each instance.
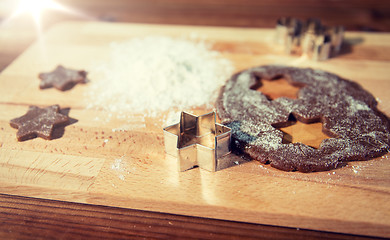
(348, 113)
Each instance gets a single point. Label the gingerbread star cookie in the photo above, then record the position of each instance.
(62, 78)
(38, 122)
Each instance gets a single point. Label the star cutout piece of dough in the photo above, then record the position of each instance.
(62, 78)
(38, 122)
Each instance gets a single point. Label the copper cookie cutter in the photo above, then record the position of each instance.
(313, 39)
(197, 141)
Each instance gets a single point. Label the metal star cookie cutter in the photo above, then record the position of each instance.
(337, 36)
(320, 48)
(313, 39)
(197, 141)
(288, 31)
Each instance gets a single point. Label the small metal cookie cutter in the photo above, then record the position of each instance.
(320, 42)
(288, 31)
(318, 47)
(336, 34)
(197, 141)
(311, 36)
(313, 39)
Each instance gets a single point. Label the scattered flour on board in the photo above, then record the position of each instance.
(119, 167)
(154, 74)
(356, 169)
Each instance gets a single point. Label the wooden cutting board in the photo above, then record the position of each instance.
(91, 163)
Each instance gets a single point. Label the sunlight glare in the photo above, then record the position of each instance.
(36, 7)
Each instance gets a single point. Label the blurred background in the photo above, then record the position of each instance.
(18, 32)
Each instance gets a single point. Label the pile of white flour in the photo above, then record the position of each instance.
(155, 74)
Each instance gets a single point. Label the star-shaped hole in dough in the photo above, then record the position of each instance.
(38, 122)
(62, 78)
(310, 133)
(276, 87)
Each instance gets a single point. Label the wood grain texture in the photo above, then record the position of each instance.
(18, 34)
(355, 15)
(31, 218)
(353, 199)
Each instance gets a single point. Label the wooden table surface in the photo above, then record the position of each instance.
(24, 217)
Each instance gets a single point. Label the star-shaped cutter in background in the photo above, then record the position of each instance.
(38, 122)
(197, 141)
(62, 78)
